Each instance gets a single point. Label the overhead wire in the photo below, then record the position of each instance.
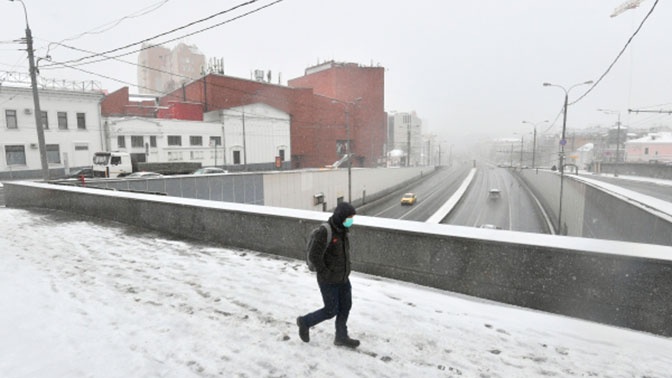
(167, 41)
(114, 23)
(618, 56)
(170, 32)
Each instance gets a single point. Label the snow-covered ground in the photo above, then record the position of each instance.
(89, 298)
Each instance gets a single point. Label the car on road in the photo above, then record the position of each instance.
(490, 226)
(144, 175)
(494, 194)
(209, 171)
(409, 199)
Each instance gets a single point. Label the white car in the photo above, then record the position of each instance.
(144, 175)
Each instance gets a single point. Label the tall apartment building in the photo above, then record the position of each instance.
(162, 70)
(405, 134)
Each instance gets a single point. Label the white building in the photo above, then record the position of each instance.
(72, 132)
(255, 136)
(403, 127)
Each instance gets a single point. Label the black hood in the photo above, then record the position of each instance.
(342, 211)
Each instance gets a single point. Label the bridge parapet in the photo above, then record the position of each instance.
(612, 282)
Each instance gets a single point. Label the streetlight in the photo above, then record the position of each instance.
(36, 98)
(563, 142)
(534, 143)
(618, 136)
(347, 146)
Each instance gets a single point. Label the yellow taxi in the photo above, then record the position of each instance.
(408, 199)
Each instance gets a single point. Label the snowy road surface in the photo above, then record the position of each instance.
(90, 298)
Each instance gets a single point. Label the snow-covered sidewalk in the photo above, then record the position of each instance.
(85, 298)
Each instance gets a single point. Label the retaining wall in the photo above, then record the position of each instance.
(591, 212)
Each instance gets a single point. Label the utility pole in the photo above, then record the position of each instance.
(521, 152)
(36, 98)
(408, 141)
(534, 148)
(618, 144)
(244, 142)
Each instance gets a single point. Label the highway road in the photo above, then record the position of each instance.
(432, 192)
(515, 210)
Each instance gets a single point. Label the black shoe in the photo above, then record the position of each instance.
(346, 342)
(304, 332)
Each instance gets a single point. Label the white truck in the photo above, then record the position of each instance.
(119, 164)
(112, 164)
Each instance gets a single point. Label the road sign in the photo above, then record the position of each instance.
(563, 142)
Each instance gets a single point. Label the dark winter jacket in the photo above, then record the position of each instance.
(334, 265)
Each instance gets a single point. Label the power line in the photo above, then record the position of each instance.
(617, 56)
(114, 23)
(165, 33)
(173, 39)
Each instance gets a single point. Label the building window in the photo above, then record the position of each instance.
(152, 141)
(174, 155)
(15, 155)
(121, 141)
(137, 141)
(10, 116)
(195, 140)
(236, 157)
(281, 153)
(53, 154)
(215, 141)
(62, 120)
(646, 150)
(81, 121)
(45, 119)
(197, 155)
(174, 140)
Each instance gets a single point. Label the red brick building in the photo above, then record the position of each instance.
(318, 104)
(364, 89)
(119, 104)
(322, 104)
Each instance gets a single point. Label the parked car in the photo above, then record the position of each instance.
(409, 199)
(209, 171)
(143, 175)
(86, 172)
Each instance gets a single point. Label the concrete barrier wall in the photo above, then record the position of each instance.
(591, 212)
(295, 189)
(618, 283)
(292, 189)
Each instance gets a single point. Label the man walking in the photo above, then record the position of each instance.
(331, 259)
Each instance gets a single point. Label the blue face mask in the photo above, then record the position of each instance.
(348, 222)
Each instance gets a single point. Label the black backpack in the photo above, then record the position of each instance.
(311, 240)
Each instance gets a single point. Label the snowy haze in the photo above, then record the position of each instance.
(88, 298)
(470, 69)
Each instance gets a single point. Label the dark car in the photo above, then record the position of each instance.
(209, 171)
(86, 172)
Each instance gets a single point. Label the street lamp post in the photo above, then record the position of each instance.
(562, 144)
(618, 137)
(347, 146)
(534, 142)
(36, 98)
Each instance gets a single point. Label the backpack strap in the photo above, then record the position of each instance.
(328, 227)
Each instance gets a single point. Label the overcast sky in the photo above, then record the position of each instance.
(467, 68)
